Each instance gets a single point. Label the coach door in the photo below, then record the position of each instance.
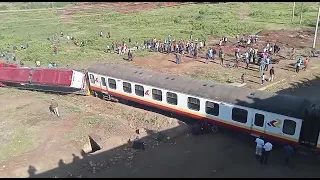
(258, 122)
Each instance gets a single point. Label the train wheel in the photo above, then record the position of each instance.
(214, 128)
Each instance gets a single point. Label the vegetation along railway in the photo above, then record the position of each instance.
(279, 118)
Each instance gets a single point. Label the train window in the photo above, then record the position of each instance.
(112, 83)
(239, 115)
(127, 87)
(139, 90)
(157, 94)
(212, 108)
(193, 103)
(289, 127)
(172, 98)
(259, 120)
(91, 78)
(103, 81)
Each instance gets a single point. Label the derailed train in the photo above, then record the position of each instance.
(279, 118)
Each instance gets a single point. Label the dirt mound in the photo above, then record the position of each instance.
(288, 38)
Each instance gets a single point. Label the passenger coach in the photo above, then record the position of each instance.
(278, 118)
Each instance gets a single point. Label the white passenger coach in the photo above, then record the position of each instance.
(277, 117)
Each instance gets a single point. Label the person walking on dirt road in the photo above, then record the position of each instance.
(267, 62)
(237, 52)
(130, 56)
(242, 78)
(246, 57)
(221, 56)
(261, 66)
(263, 78)
(271, 74)
(298, 64)
(305, 63)
(54, 107)
(178, 58)
(207, 58)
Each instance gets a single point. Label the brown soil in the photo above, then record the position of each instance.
(123, 7)
(58, 138)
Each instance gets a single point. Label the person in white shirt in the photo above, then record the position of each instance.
(259, 146)
(268, 45)
(265, 153)
(249, 40)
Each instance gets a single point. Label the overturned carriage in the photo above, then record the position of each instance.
(54, 80)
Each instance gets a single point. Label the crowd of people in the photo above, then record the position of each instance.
(9, 55)
(168, 45)
(192, 48)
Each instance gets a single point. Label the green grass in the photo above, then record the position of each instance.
(91, 121)
(202, 20)
(33, 5)
(19, 143)
(73, 108)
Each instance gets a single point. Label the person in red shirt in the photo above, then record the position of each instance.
(55, 49)
(116, 43)
(122, 49)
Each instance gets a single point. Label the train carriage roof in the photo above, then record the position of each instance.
(293, 106)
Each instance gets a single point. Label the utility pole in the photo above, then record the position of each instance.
(301, 13)
(316, 32)
(294, 6)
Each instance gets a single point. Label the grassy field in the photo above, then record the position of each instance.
(32, 5)
(202, 20)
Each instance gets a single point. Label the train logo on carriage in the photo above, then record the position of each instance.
(147, 93)
(275, 123)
